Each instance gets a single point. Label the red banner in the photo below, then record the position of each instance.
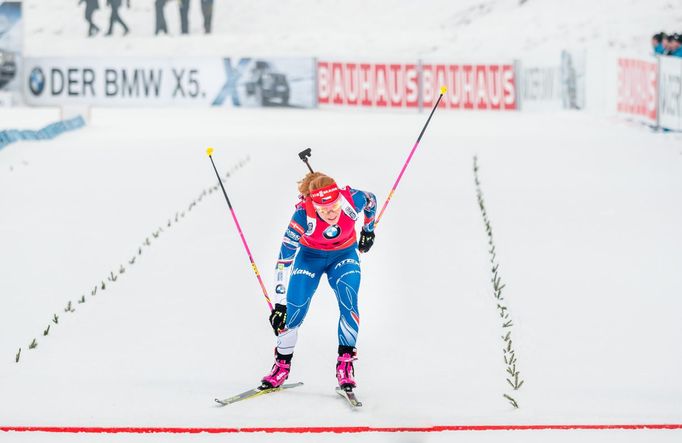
(387, 85)
(368, 84)
(637, 89)
(485, 87)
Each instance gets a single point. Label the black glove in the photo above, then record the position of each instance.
(366, 241)
(278, 317)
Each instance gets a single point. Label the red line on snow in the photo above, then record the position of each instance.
(330, 429)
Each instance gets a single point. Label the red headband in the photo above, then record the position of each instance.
(326, 195)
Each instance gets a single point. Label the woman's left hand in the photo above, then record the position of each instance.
(366, 241)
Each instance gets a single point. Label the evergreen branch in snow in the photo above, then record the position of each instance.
(112, 277)
(511, 400)
(512, 370)
(496, 280)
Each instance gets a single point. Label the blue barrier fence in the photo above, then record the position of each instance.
(48, 132)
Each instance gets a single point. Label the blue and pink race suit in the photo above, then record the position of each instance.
(315, 247)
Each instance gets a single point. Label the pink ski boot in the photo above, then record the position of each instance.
(344, 367)
(280, 371)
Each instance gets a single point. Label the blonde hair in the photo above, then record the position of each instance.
(312, 181)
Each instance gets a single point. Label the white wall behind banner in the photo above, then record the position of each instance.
(182, 81)
(670, 93)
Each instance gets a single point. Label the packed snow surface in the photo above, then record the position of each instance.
(586, 225)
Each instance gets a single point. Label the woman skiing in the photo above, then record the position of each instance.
(321, 239)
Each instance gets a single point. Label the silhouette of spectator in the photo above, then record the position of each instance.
(160, 17)
(90, 7)
(657, 43)
(665, 41)
(184, 16)
(115, 5)
(675, 47)
(207, 11)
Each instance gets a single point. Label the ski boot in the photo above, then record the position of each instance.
(279, 373)
(344, 368)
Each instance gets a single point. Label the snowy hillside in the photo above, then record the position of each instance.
(359, 28)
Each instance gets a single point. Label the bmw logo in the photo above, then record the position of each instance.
(332, 232)
(36, 81)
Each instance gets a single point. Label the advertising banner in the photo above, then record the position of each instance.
(540, 87)
(381, 85)
(182, 81)
(416, 85)
(573, 88)
(10, 51)
(470, 86)
(636, 92)
(539, 82)
(670, 93)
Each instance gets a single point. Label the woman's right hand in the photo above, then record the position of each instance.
(278, 318)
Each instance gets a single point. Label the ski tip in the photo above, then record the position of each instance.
(348, 394)
(209, 151)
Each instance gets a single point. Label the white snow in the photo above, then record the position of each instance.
(585, 223)
(359, 28)
(585, 212)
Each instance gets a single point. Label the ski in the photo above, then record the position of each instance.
(255, 392)
(350, 397)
